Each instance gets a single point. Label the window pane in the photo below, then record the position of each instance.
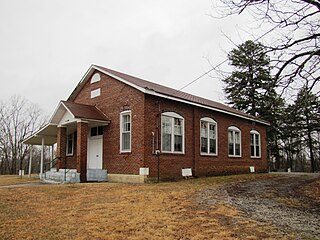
(213, 146)
(94, 132)
(252, 151)
(204, 145)
(257, 139)
(177, 126)
(166, 125)
(212, 131)
(126, 123)
(230, 137)
(237, 149)
(231, 149)
(177, 143)
(166, 142)
(100, 130)
(252, 139)
(125, 141)
(237, 137)
(204, 129)
(257, 151)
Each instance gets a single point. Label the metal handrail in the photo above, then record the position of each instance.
(49, 165)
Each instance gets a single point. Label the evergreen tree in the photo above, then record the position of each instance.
(307, 121)
(249, 83)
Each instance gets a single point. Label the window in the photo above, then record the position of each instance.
(125, 131)
(255, 144)
(96, 131)
(234, 142)
(172, 133)
(95, 78)
(70, 144)
(95, 93)
(208, 136)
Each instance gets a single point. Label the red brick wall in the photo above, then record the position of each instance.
(171, 164)
(61, 146)
(145, 111)
(116, 97)
(82, 140)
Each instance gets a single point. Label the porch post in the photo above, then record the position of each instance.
(61, 146)
(51, 156)
(30, 161)
(82, 146)
(42, 157)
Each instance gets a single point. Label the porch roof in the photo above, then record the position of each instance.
(48, 133)
(83, 111)
(67, 114)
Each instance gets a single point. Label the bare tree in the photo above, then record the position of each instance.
(18, 119)
(295, 25)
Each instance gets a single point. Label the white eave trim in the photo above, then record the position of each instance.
(36, 134)
(57, 109)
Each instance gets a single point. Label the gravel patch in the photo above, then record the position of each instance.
(278, 200)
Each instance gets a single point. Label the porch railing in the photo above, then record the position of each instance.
(49, 164)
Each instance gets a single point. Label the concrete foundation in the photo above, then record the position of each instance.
(126, 178)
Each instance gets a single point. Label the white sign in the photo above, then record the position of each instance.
(144, 171)
(252, 170)
(186, 172)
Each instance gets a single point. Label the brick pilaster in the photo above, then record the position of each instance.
(61, 146)
(82, 141)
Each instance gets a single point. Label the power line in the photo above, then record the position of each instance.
(218, 65)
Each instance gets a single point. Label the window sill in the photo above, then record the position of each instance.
(255, 157)
(234, 156)
(175, 153)
(208, 155)
(125, 152)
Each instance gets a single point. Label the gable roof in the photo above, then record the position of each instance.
(48, 133)
(151, 88)
(83, 111)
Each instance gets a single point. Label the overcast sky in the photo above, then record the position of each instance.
(47, 46)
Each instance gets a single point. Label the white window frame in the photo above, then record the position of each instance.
(95, 78)
(122, 114)
(255, 134)
(233, 131)
(72, 143)
(172, 116)
(95, 93)
(208, 122)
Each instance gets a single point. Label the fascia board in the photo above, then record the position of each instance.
(204, 106)
(68, 110)
(56, 111)
(83, 80)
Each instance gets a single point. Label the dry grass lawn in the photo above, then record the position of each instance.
(6, 180)
(125, 211)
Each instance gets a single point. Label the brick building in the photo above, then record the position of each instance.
(120, 127)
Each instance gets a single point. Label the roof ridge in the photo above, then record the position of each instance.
(164, 91)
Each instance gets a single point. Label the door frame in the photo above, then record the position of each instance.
(90, 139)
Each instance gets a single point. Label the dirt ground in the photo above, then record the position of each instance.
(291, 202)
(251, 207)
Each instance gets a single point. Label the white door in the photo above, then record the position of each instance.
(94, 153)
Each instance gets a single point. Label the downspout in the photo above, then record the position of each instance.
(157, 143)
(194, 144)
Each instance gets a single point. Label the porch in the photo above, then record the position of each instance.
(77, 131)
